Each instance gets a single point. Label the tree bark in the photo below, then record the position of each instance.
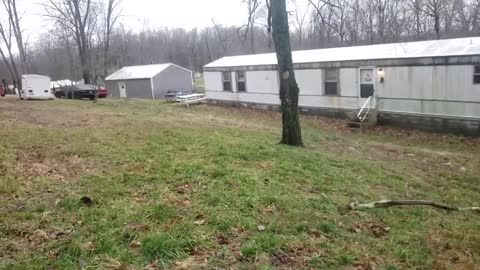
(392, 203)
(291, 130)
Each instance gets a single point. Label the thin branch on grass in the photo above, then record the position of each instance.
(391, 203)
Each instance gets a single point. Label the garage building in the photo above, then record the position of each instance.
(149, 81)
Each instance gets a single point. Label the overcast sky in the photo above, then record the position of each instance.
(137, 14)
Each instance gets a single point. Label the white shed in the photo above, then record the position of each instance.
(429, 84)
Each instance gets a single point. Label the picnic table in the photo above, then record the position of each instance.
(172, 95)
(191, 99)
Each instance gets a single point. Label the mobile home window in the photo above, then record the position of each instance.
(331, 82)
(227, 81)
(476, 75)
(241, 81)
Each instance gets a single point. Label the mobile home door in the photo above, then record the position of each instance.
(367, 84)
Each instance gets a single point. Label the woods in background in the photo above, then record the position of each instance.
(106, 44)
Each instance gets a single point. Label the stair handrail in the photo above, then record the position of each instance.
(372, 101)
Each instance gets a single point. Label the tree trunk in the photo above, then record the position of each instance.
(291, 131)
(437, 25)
(252, 38)
(7, 63)
(16, 71)
(19, 37)
(111, 19)
(418, 26)
(84, 63)
(106, 58)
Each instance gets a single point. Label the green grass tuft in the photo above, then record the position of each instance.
(165, 247)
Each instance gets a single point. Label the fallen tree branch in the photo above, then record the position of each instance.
(390, 203)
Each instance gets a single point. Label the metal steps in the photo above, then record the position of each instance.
(366, 116)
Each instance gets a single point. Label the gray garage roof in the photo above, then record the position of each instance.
(140, 72)
(434, 48)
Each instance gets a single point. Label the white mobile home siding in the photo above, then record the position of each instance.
(427, 84)
(262, 87)
(435, 90)
(213, 81)
(349, 82)
(310, 82)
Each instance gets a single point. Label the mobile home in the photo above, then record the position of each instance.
(36, 87)
(432, 85)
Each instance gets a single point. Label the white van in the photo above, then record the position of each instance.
(36, 87)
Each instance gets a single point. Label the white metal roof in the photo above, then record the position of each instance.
(26, 76)
(60, 83)
(434, 48)
(140, 72)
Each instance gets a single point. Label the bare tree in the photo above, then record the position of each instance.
(14, 30)
(475, 17)
(291, 130)
(417, 6)
(434, 9)
(9, 60)
(332, 13)
(354, 22)
(252, 6)
(300, 19)
(78, 18)
(14, 21)
(111, 18)
(222, 39)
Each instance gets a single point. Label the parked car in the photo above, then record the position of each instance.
(102, 92)
(78, 91)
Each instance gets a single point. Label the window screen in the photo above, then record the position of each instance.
(331, 82)
(227, 81)
(241, 82)
(476, 75)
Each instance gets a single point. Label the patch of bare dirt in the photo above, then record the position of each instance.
(32, 165)
(294, 258)
(451, 255)
(378, 229)
(40, 113)
(198, 259)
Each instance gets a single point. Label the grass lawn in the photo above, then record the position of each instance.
(209, 188)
